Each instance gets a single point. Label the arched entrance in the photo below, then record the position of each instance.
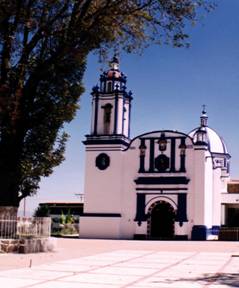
(161, 221)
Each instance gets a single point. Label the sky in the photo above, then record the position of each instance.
(169, 87)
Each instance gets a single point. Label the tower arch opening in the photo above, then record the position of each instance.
(107, 118)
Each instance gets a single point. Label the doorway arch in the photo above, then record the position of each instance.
(161, 221)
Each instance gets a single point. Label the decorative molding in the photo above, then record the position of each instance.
(140, 209)
(182, 156)
(105, 142)
(180, 135)
(129, 117)
(96, 114)
(182, 209)
(142, 150)
(172, 155)
(161, 180)
(151, 155)
(116, 113)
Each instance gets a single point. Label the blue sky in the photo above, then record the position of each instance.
(169, 87)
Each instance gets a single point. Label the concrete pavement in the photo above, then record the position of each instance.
(112, 263)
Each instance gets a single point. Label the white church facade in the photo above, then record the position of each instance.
(158, 185)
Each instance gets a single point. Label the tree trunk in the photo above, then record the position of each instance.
(8, 222)
(9, 171)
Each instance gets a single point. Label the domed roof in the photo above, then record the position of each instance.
(205, 135)
(113, 73)
(215, 142)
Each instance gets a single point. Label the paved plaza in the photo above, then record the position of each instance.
(138, 264)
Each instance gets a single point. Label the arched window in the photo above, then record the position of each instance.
(109, 86)
(107, 118)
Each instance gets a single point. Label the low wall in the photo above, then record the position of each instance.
(34, 245)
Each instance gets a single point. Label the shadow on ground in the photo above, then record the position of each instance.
(229, 279)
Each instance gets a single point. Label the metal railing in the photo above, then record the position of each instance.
(25, 227)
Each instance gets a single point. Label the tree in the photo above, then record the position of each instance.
(42, 211)
(44, 46)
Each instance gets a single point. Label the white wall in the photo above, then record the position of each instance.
(99, 227)
(103, 187)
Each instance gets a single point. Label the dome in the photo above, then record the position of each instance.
(113, 74)
(215, 142)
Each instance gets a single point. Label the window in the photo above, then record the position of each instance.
(109, 86)
(107, 118)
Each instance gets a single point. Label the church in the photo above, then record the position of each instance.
(159, 185)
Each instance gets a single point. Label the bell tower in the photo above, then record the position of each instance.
(111, 106)
(105, 145)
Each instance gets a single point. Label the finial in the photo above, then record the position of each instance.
(204, 117)
(114, 63)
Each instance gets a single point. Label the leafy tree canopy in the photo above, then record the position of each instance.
(42, 211)
(43, 51)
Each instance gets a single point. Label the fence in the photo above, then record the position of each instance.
(229, 234)
(22, 227)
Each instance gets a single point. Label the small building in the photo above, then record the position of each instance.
(56, 209)
(65, 216)
(159, 185)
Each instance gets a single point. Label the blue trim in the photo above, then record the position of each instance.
(162, 131)
(151, 155)
(228, 156)
(142, 157)
(123, 112)
(141, 164)
(167, 196)
(215, 230)
(202, 143)
(103, 142)
(161, 180)
(161, 172)
(96, 113)
(116, 113)
(113, 83)
(101, 215)
(172, 168)
(129, 118)
(199, 232)
(140, 209)
(182, 209)
(202, 148)
(182, 157)
(182, 163)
